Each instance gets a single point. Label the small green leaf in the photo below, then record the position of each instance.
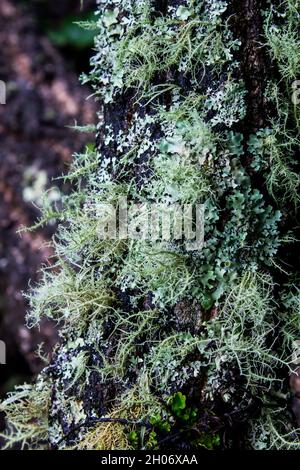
(178, 402)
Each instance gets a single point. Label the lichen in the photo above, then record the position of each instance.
(174, 130)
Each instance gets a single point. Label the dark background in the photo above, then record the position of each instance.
(42, 55)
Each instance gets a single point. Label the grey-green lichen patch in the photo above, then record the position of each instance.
(133, 48)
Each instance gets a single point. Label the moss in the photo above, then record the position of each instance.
(109, 436)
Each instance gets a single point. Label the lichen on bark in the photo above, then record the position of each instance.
(164, 347)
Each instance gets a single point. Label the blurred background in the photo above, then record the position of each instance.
(42, 55)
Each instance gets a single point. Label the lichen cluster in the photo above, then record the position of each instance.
(198, 341)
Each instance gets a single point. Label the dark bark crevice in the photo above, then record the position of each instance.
(247, 24)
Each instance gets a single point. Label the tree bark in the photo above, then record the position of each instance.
(190, 343)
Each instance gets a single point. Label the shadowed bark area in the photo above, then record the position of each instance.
(248, 23)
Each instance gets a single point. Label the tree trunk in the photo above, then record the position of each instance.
(166, 346)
